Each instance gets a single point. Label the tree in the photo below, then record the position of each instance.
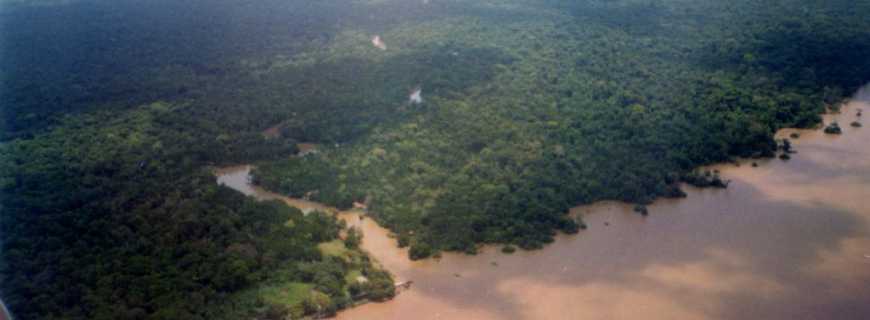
(353, 238)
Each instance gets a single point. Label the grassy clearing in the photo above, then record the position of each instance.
(334, 248)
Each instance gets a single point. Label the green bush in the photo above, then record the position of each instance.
(833, 128)
(420, 250)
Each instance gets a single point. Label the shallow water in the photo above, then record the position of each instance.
(786, 240)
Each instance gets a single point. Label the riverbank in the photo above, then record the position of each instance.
(750, 251)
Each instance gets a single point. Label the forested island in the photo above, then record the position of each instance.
(115, 113)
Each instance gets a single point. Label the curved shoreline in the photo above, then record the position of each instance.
(492, 285)
(237, 178)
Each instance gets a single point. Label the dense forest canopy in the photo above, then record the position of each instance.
(114, 112)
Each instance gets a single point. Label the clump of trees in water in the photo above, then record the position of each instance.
(110, 210)
(705, 179)
(786, 150)
(641, 209)
(833, 128)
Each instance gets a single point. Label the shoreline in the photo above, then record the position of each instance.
(384, 249)
(784, 133)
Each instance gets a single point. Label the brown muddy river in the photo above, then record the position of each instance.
(786, 240)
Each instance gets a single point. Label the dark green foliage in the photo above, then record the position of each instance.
(786, 146)
(117, 54)
(403, 240)
(641, 209)
(420, 250)
(508, 249)
(106, 217)
(531, 107)
(313, 179)
(705, 179)
(320, 305)
(353, 238)
(327, 275)
(833, 128)
(379, 286)
(276, 312)
(617, 108)
(673, 191)
(568, 226)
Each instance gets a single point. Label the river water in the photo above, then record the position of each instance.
(786, 240)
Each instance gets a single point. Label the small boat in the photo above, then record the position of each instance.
(415, 96)
(378, 43)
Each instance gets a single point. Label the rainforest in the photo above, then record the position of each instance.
(456, 124)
